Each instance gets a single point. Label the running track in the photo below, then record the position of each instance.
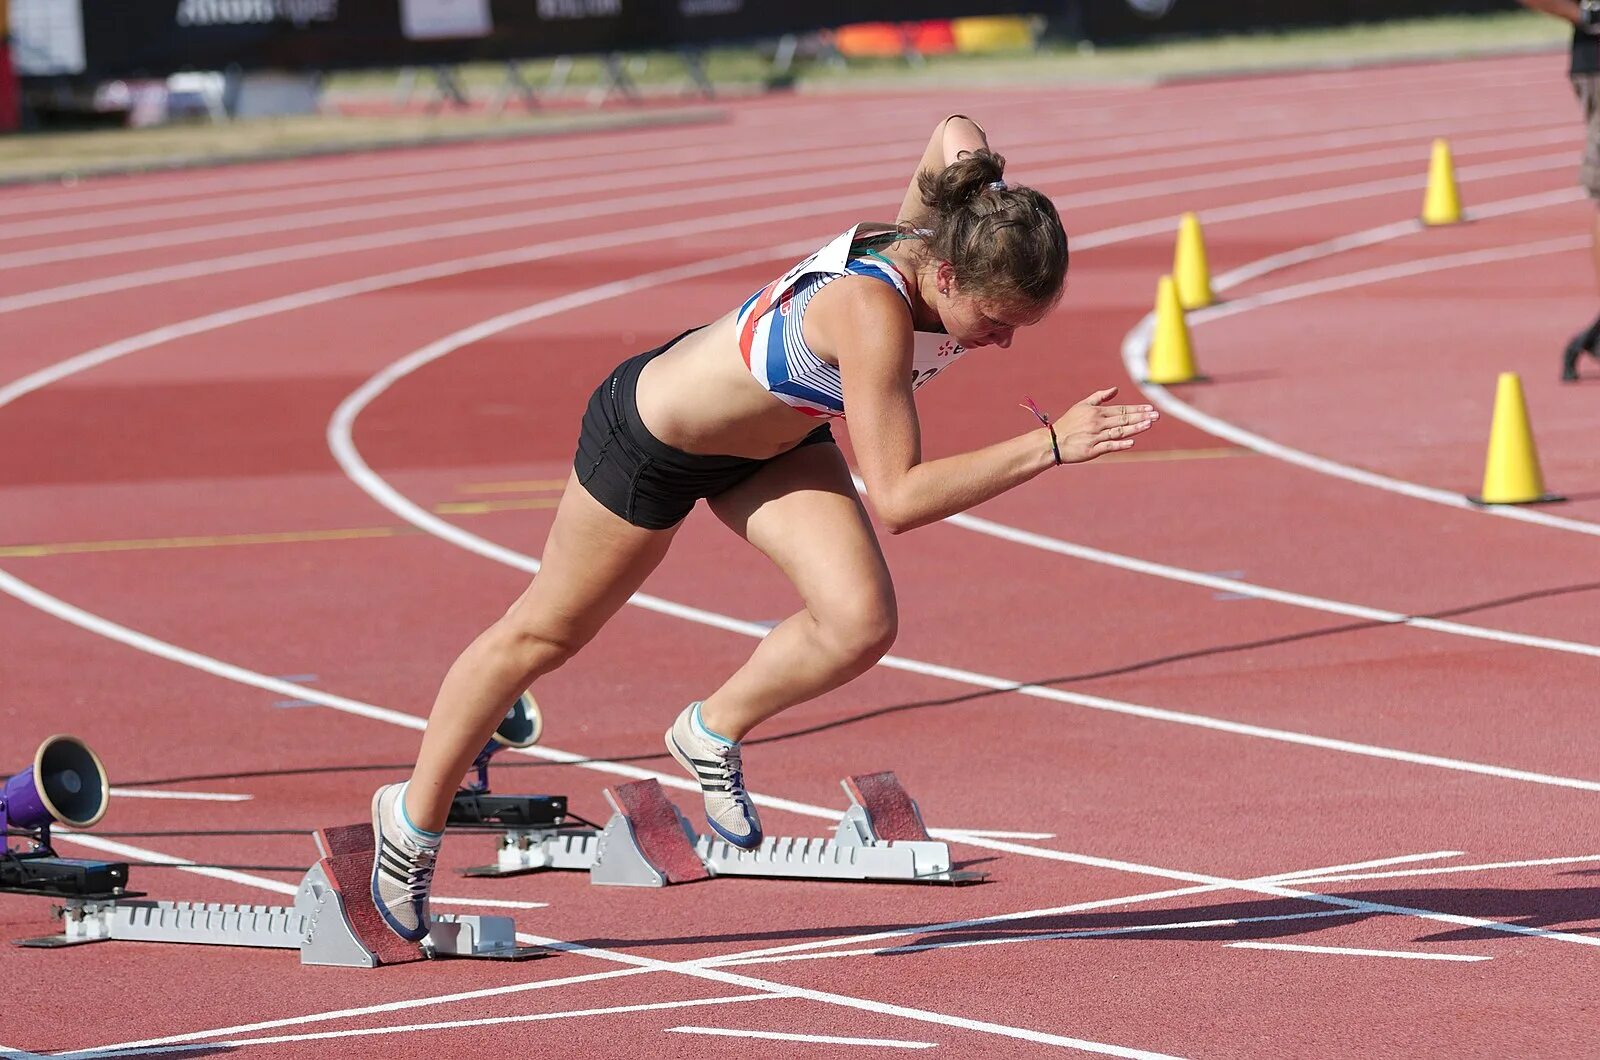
(277, 440)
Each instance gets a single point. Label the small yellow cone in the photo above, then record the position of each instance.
(1189, 266)
(1442, 204)
(1511, 473)
(1171, 358)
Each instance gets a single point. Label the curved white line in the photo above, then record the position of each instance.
(341, 442)
(1136, 345)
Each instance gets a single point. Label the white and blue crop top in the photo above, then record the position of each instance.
(775, 349)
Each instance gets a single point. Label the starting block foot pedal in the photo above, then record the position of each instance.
(647, 843)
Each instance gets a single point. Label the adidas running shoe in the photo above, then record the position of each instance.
(714, 762)
(402, 868)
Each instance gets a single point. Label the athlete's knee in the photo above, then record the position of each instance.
(536, 644)
(862, 632)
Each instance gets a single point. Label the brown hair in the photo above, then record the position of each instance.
(1004, 243)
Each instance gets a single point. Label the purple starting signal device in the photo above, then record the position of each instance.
(65, 784)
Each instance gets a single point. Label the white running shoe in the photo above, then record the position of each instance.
(402, 868)
(714, 762)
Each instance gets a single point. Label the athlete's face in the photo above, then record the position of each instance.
(975, 321)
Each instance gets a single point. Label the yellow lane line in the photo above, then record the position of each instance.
(535, 485)
(287, 537)
(479, 507)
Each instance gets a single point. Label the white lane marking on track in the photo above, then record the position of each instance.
(1347, 951)
(341, 441)
(1079, 907)
(633, 140)
(889, 159)
(1487, 866)
(1252, 590)
(181, 796)
(1135, 347)
(710, 193)
(644, 964)
(413, 1028)
(639, 966)
(1048, 936)
(818, 1039)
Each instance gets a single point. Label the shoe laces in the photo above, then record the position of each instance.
(420, 879)
(733, 768)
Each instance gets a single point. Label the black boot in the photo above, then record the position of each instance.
(1583, 342)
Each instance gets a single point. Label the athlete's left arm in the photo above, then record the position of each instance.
(864, 325)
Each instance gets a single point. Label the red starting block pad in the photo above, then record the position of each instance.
(648, 843)
(891, 811)
(347, 863)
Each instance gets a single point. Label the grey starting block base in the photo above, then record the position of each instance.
(612, 855)
(315, 925)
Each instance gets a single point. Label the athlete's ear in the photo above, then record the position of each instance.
(946, 276)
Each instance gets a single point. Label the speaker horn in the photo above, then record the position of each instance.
(66, 783)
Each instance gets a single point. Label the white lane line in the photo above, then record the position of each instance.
(1063, 910)
(1291, 890)
(488, 903)
(1049, 936)
(1256, 591)
(714, 193)
(730, 159)
(1120, 111)
(989, 833)
(1135, 348)
(818, 1039)
(181, 796)
(1486, 867)
(340, 435)
(413, 1028)
(126, 850)
(638, 965)
(1405, 955)
(888, 159)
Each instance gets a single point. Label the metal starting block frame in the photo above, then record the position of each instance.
(317, 924)
(637, 844)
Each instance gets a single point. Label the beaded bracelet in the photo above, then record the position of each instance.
(1055, 448)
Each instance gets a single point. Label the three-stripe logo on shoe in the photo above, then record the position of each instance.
(713, 775)
(394, 863)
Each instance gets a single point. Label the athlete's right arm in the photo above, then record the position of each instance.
(955, 134)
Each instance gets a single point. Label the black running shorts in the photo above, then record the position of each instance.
(637, 476)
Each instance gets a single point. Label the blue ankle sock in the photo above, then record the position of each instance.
(422, 836)
(700, 726)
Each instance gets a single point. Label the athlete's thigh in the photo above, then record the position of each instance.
(593, 561)
(803, 512)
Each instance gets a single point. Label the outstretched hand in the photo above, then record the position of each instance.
(1092, 428)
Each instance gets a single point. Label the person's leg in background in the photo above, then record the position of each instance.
(1587, 87)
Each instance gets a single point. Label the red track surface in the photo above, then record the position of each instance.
(1194, 768)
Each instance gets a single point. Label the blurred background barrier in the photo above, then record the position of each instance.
(154, 38)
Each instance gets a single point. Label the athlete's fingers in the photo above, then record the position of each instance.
(1100, 397)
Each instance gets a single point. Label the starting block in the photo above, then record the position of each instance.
(326, 927)
(648, 843)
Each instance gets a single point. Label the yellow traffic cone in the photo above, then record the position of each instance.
(1189, 266)
(1442, 204)
(1511, 473)
(1171, 358)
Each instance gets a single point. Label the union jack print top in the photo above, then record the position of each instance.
(775, 349)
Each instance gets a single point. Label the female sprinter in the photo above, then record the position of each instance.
(740, 413)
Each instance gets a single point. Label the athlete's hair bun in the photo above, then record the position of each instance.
(962, 181)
